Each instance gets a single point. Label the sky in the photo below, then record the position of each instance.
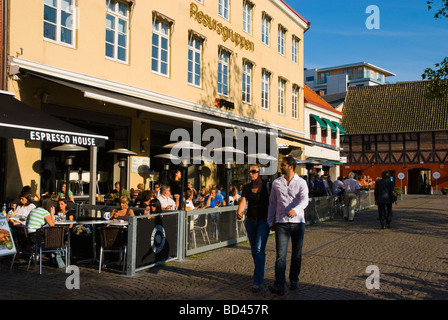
(408, 41)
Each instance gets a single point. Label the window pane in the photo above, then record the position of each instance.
(49, 14)
(110, 22)
(66, 19)
(50, 2)
(154, 65)
(122, 40)
(121, 54)
(49, 31)
(66, 35)
(109, 50)
(164, 68)
(122, 26)
(66, 5)
(123, 9)
(110, 36)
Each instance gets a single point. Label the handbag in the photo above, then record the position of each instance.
(393, 196)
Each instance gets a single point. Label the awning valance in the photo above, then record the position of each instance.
(341, 129)
(21, 121)
(322, 124)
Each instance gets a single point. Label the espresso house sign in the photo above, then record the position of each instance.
(225, 32)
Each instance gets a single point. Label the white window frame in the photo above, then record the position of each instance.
(196, 54)
(117, 17)
(157, 22)
(266, 30)
(224, 9)
(247, 82)
(247, 17)
(223, 70)
(58, 25)
(295, 102)
(295, 49)
(281, 40)
(265, 89)
(281, 96)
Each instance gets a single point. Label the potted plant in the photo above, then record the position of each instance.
(398, 192)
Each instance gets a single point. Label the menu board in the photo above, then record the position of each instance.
(6, 241)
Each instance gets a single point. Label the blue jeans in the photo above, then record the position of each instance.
(258, 233)
(284, 232)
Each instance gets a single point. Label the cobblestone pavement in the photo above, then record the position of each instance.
(412, 260)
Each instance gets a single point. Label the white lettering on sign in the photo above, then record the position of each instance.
(61, 138)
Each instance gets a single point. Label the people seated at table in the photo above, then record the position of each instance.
(201, 196)
(23, 209)
(137, 193)
(234, 197)
(34, 196)
(146, 197)
(63, 212)
(166, 200)
(115, 194)
(124, 212)
(189, 205)
(40, 216)
(62, 194)
(155, 206)
(213, 200)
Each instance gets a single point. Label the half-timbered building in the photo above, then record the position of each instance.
(397, 128)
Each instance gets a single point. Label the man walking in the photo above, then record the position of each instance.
(351, 187)
(384, 189)
(287, 202)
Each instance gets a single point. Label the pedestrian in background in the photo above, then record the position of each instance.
(351, 190)
(287, 202)
(384, 189)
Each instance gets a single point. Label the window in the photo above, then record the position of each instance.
(324, 133)
(313, 128)
(349, 72)
(223, 9)
(281, 96)
(323, 77)
(194, 61)
(117, 19)
(265, 30)
(333, 138)
(247, 17)
(360, 72)
(295, 50)
(247, 79)
(295, 102)
(281, 40)
(59, 21)
(265, 76)
(223, 72)
(160, 47)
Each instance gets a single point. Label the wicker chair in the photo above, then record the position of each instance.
(53, 240)
(113, 239)
(23, 245)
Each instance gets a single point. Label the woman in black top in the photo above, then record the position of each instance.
(256, 195)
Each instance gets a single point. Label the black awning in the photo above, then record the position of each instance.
(21, 121)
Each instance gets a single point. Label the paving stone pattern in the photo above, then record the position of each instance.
(412, 260)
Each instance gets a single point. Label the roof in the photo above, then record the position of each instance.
(296, 13)
(360, 64)
(335, 99)
(315, 99)
(393, 108)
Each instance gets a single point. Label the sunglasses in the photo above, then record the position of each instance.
(253, 171)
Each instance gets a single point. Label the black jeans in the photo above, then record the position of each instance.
(385, 212)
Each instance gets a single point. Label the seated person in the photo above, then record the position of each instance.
(166, 200)
(40, 216)
(62, 210)
(213, 200)
(124, 212)
(62, 194)
(22, 210)
(116, 192)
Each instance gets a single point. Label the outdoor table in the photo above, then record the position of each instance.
(66, 223)
(94, 224)
(117, 223)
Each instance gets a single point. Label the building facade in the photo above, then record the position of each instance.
(396, 128)
(337, 79)
(137, 71)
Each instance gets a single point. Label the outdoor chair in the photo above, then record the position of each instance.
(113, 239)
(202, 229)
(53, 241)
(23, 245)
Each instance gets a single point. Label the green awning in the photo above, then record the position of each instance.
(332, 126)
(322, 124)
(340, 127)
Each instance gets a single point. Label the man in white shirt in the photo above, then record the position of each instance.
(166, 200)
(351, 187)
(287, 203)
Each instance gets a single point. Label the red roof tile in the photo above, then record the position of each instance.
(296, 13)
(314, 98)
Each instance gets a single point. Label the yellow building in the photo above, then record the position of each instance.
(136, 71)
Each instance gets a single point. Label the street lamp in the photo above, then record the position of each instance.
(122, 156)
(69, 150)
